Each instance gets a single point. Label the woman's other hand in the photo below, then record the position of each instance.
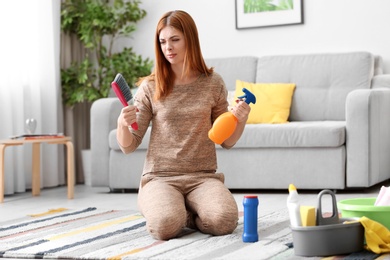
(241, 111)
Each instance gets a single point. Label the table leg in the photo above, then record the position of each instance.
(36, 169)
(70, 166)
(2, 177)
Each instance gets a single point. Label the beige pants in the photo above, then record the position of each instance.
(198, 200)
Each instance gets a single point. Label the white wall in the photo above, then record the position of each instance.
(329, 26)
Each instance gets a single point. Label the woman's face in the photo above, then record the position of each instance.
(172, 45)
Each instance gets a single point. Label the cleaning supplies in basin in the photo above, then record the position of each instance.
(330, 236)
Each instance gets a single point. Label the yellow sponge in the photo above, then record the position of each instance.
(308, 216)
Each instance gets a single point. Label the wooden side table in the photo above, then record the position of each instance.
(36, 161)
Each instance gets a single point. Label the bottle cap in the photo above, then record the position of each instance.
(291, 187)
(250, 196)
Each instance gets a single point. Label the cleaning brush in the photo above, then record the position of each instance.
(123, 92)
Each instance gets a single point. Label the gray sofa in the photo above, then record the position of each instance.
(338, 136)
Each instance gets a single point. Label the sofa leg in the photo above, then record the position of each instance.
(117, 190)
(123, 190)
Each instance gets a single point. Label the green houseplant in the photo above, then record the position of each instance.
(98, 24)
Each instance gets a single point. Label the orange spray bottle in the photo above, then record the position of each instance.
(226, 123)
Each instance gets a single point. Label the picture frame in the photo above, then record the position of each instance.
(267, 13)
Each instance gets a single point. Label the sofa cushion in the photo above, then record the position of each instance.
(273, 101)
(231, 69)
(293, 134)
(323, 81)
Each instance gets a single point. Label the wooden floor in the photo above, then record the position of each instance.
(21, 204)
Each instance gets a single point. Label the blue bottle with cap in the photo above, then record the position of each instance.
(250, 234)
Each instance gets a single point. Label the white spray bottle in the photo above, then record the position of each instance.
(294, 206)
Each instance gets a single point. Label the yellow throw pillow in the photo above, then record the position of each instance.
(273, 101)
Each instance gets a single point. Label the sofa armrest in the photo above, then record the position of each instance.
(104, 115)
(368, 137)
(381, 81)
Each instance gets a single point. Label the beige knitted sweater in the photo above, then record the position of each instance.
(179, 140)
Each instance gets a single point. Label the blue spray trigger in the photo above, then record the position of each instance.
(249, 97)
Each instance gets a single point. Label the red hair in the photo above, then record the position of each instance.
(193, 60)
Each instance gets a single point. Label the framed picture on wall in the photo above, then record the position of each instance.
(265, 13)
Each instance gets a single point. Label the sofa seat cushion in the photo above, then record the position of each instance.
(293, 134)
(289, 135)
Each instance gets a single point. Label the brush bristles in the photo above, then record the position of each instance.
(124, 87)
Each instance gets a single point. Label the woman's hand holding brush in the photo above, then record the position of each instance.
(126, 119)
(128, 116)
(123, 92)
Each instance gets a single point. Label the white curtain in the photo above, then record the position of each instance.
(30, 87)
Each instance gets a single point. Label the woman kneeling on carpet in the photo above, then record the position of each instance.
(181, 98)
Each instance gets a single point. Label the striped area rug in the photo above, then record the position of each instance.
(93, 233)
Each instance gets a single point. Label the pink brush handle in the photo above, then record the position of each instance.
(119, 94)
